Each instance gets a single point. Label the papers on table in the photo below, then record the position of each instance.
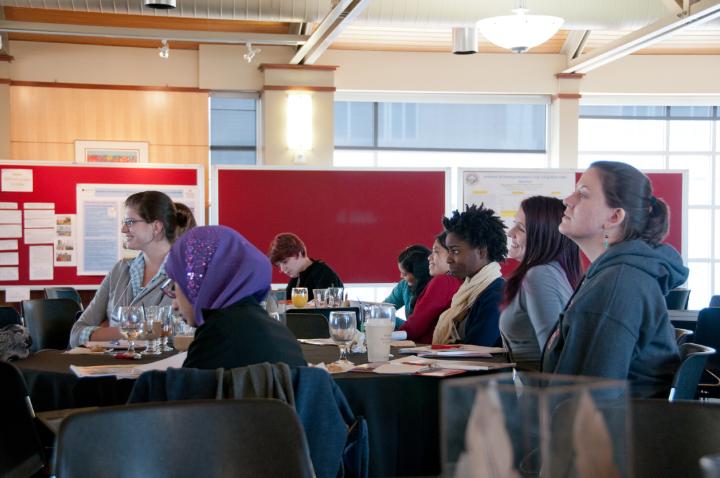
(128, 371)
(463, 350)
(114, 344)
(414, 365)
(317, 341)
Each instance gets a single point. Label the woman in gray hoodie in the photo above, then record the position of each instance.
(616, 323)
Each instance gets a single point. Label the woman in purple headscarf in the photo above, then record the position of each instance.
(220, 278)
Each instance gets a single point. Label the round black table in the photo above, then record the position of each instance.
(402, 411)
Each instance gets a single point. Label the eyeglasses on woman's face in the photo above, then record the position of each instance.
(130, 222)
(168, 288)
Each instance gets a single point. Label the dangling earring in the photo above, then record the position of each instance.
(606, 241)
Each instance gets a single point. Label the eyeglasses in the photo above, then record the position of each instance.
(168, 288)
(128, 222)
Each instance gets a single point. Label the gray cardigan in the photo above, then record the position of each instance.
(115, 291)
(529, 318)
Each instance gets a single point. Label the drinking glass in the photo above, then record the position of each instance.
(152, 330)
(334, 296)
(342, 330)
(320, 297)
(167, 328)
(379, 324)
(132, 321)
(299, 297)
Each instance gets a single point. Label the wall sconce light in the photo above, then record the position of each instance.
(164, 50)
(299, 123)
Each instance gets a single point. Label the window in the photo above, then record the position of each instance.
(668, 137)
(233, 129)
(447, 135)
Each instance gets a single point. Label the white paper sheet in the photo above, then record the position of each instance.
(9, 273)
(20, 180)
(17, 294)
(129, 371)
(10, 216)
(9, 245)
(10, 230)
(8, 205)
(40, 222)
(40, 236)
(39, 205)
(9, 259)
(39, 214)
(41, 263)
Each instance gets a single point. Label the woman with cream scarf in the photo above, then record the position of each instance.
(476, 242)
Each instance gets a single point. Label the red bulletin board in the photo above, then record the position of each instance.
(56, 183)
(357, 221)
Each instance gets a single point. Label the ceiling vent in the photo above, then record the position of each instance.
(160, 4)
(465, 40)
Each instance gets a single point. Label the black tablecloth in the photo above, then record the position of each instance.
(401, 411)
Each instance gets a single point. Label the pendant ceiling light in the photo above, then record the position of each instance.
(519, 32)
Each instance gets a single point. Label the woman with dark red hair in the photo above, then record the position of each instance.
(288, 252)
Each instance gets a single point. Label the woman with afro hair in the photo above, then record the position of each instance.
(476, 242)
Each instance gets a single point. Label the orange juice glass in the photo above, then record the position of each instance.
(299, 297)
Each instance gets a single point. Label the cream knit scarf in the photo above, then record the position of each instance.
(463, 300)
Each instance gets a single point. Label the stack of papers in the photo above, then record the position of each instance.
(415, 365)
(454, 351)
(128, 371)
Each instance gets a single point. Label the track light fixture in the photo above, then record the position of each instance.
(251, 52)
(164, 50)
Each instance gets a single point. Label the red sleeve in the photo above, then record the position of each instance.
(433, 301)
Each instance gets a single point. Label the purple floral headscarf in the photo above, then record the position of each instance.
(215, 267)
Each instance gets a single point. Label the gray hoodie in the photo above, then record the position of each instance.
(616, 324)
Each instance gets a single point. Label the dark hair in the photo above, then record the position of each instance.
(416, 263)
(646, 217)
(481, 228)
(440, 238)
(544, 243)
(286, 245)
(410, 249)
(185, 219)
(156, 206)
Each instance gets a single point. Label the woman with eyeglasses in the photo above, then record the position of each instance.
(220, 279)
(150, 226)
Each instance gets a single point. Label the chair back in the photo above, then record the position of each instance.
(9, 316)
(682, 335)
(668, 438)
(49, 322)
(21, 453)
(63, 293)
(307, 326)
(687, 376)
(209, 438)
(677, 299)
(707, 332)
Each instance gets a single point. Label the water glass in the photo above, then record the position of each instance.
(343, 327)
(379, 324)
(167, 328)
(320, 297)
(153, 326)
(335, 296)
(299, 297)
(132, 322)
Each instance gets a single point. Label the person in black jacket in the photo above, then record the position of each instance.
(219, 279)
(288, 252)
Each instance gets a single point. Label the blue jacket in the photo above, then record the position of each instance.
(616, 324)
(482, 326)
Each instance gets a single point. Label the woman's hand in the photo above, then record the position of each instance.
(106, 333)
